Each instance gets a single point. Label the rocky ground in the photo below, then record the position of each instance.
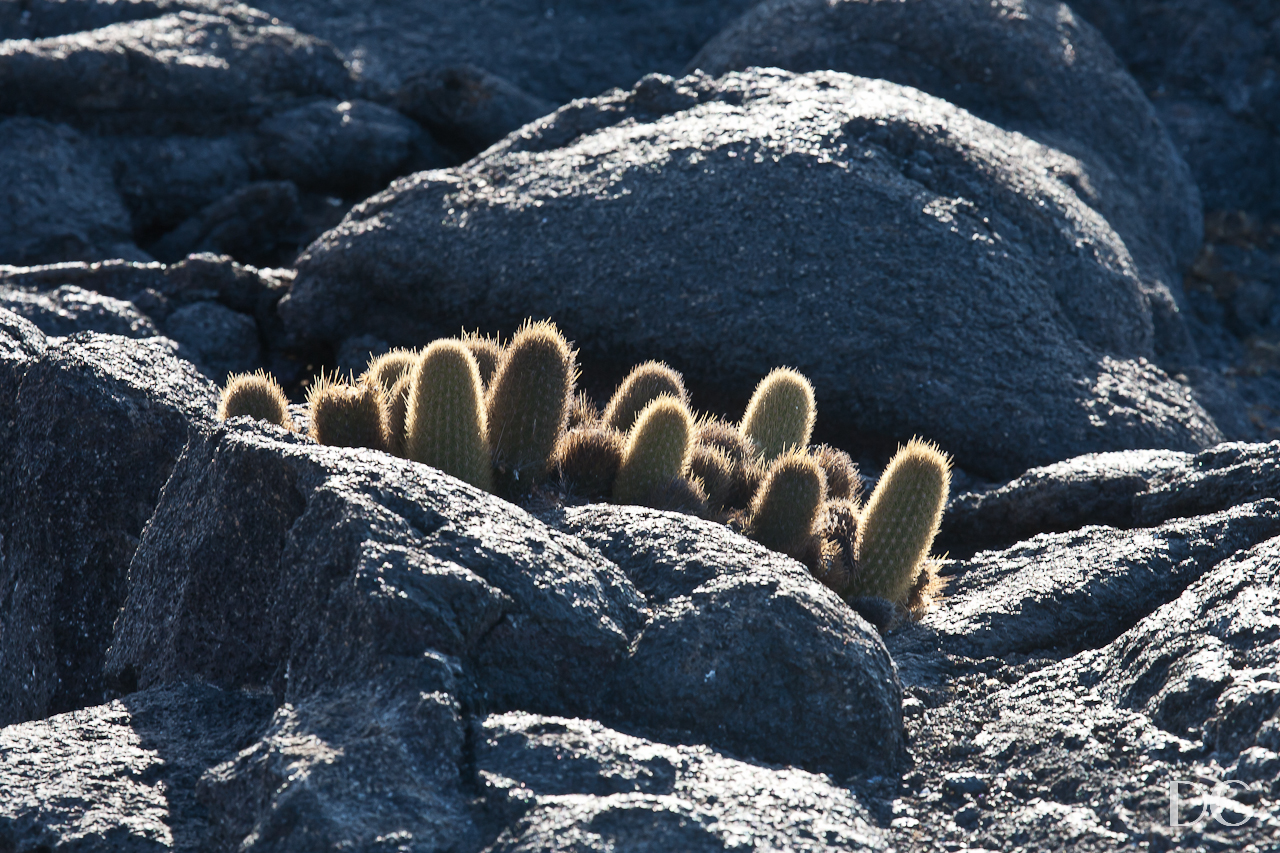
(1045, 236)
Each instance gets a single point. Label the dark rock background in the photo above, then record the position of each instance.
(1046, 235)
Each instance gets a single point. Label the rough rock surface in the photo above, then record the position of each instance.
(219, 311)
(663, 222)
(468, 106)
(121, 776)
(346, 563)
(567, 784)
(92, 426)
(1071, 591)
(723, 604)
(1034, 68)
(57, 199)
(1131, 489)
(69, 309)
(1039, 752)
(193, 71)
(352, 147)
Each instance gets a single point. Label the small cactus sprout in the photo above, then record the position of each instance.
(389, 368)
(788, 504)
(588, 459)
(716, 471)
(780, 415)
(900, 521)
(345, 415)
(257, 395)
(582, 412)
(679, 494)
(724, 437)
(843, 480)
(657, 450)
(397, 405)
(927, 590)
(644, 384)
(839, 536)
(445, 420)
(487, 352)
(528, 402)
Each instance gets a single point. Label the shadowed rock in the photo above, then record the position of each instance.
(57, 199)
(93, 426)
(192, 71)
(1136, 488)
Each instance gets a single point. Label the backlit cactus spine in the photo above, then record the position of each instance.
(900, 521)
(257, 395)
(445, 422)
(780, 415)
(788, 504)
(528, 403)
(644, 384)
(344, 415)
(657, 451)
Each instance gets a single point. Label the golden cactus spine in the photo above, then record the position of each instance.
(657, 450)
(528, 403)
(786, 508)
(644, 384)
(900, 521)
(445, 421)
(344, 415)
(780, 415)
(257, 395)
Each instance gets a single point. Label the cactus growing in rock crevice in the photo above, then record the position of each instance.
(257, 395)
(788, 504)
(657, 450)
(644, 384)
(345, 415)
(900, 521)
(780, 415)
(527, 403)
(445, 422)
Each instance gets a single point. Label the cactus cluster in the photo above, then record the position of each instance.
(508, 419)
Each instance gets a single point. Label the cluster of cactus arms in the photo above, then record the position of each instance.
(508, 419)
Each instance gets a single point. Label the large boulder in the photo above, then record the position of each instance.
(1040, 71)
(57, 198)
(93, 425)
(194, 71)
(898, 250)
(275, 563)
(724, 605)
